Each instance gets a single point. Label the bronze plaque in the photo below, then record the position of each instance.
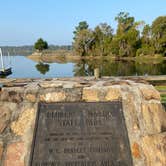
(80, 134)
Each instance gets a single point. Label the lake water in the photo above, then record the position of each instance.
(22, 67)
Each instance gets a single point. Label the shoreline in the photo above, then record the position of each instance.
(69, 57)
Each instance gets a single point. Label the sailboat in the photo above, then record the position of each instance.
(4, 71)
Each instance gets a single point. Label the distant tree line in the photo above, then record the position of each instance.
(27, 50)
(132, 38)
(17, 50)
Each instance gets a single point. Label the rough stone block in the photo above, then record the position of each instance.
(130, 112)
(149, 93)
(15, 154)
(24, 121)
(4, 117)
(153, 117)
(53, 97)
(1, 150)
(143, 114)
(51, 84)
(11, 96)
(154, 148)
(74, 94)
(90, 95)
(31, 98)
(113, 94)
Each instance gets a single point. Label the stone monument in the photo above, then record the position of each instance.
(81, 122)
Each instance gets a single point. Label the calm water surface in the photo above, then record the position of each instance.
(23, 67)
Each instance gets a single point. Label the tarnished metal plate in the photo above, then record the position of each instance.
(80, 134)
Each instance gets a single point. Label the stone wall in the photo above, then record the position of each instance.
(144, 115)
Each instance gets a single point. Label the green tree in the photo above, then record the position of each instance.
(159, 34)
(83, 25)
(82, 43)
(125, 22)
(41, 45)
(127, 39)
(114, 47)
(102, 37)
(146, 34)
(146, 42)
(82, 39)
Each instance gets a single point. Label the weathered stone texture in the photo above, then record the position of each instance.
(4, 117)
(31, 98)
(53, 97)
(149, 92)
(113, 94)
(15, 154)
(24, 121)
(131, 108)
(51, 84)
(136, 150)
(143, 113)
(153, 118)
(130, 112)
(1, 151)
(101, 94)
(61, 95)
(12, 95)
(154, 148)
(90, 95)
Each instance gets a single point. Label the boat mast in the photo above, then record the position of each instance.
(3, 68)
(9, 58)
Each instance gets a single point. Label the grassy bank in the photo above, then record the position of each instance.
(162, 90)
(63, 56)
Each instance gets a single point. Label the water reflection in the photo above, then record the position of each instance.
(22, 67)
(119, 68)
(42, 68)
(82, 68)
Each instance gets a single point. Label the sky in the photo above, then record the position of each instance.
(22, 22)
